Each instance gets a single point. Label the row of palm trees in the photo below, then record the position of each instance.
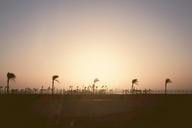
(135, 82)
(12, 76)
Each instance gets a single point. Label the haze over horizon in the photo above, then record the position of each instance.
(113, 40)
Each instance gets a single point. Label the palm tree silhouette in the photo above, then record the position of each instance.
(134, 82)
(10, 76)
(94, 82)
(77, 88)
(35, 90)
(71, 88)
(54, 78)
(167, 81)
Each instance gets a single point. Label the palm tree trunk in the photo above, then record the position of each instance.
(52, 90)
(132, 88)
(165, 88)
(7, 86)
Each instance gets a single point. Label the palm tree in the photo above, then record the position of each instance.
(94, 82)
(35, 90)
(71, 88)
(54, 78)
(167, 81)
(134, 82)
(10, 76)
(77, 88)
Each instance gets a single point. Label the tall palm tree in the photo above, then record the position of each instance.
(54, 78)
(94, 82)
(10, 76)
(134, 82)
(167, 81)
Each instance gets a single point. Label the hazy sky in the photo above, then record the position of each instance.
(113, 40)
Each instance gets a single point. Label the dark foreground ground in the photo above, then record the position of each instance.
(95, 111)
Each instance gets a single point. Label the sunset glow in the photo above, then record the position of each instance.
(80, 40)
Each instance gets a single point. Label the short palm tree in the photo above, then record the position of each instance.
(134, 82)
(71, 88)
(10, 76)
(167, 81)
(77, 88)
(49, 90)
(54, 78)
(94, 82)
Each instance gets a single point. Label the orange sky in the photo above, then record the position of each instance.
(82, 40)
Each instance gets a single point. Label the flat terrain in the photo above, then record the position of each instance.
(95, 111)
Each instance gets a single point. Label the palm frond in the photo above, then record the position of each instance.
(11, 76)
(55, 77)
(135, 81)
(168, 81)
(96, 80)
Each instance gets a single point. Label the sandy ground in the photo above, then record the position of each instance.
(95, 111)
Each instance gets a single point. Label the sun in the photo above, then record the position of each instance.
(86, 66)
